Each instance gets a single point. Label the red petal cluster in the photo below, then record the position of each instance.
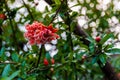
(46, 62)
(3, 16)
(37, 33)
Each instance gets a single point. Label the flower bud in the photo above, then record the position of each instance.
(46, 62)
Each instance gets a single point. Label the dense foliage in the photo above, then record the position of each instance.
(38, 53)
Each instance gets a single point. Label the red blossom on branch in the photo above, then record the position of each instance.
(3, 16)
(38, 33)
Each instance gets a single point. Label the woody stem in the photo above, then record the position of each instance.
(40, 54)
(28, 9)
(57, 11)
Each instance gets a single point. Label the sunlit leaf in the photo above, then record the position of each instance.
(106, 37)
(114, 51)
(15, 57)
(57, 2)
(14, 74)
(102, 58)
(2, 51)
(6, 71)
(94, 60)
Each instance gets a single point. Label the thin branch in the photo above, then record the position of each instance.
(58, 10)
(28, 10)
(9, 63)
(40, 54)
(38, 69)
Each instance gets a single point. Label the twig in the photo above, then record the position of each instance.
(56, 12)
(38, 69)
(40, 54)
(28, 10)
(9, 63)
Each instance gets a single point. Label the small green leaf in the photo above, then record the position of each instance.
(114, 51)
(15, 57)
(2, 51)
(73, 24)
(57, 2)
(94, 60)
(79, 55)
(108, 47)
(62, 15)
(91, 47)
(71, 55)
(103, 22)
(106, 37)
(74, 14)
(84, 46)
(103, 58)
(48, 55)
(90, 39)
(6, 71)
(35, 48)
(14, 74)
(5, 78)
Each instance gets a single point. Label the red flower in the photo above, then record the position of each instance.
(52, 61)
(3, 16)
(97, 39)
(46, 62)
(37, 33)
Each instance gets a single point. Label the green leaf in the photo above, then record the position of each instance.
(92, 48)
(5, 78)
(114, 51)
(14, 74)
(79, 55)
(107, 47)
(6, 71)
(84, 46)
(12, 1)
(23, 64)
(72, 25)
(94, 60)
(48, 55)
(2, 51)
(35, 48)
(103, 58)
(74, 14)
(15, 57)
(57, 2)
(70, 55)
(90, 39)
(106, 37)
(103, 22)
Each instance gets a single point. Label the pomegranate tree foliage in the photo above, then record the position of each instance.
(74, 59)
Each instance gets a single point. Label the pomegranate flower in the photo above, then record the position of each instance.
(37, 33)
(3, 16)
